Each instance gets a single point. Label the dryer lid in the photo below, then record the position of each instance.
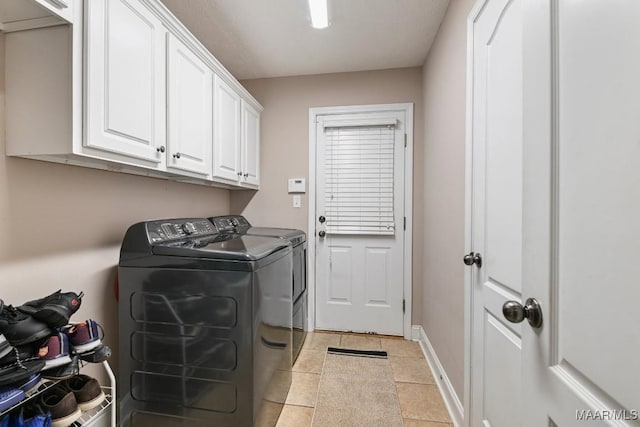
(229, 247)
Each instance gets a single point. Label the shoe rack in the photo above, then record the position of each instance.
(88, 418)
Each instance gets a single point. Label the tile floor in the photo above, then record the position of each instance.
(420, 400)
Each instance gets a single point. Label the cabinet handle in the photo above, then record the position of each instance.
(160, 149)
(246, 175)
(239, 173)
(177, 155)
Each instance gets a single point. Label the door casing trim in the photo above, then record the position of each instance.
(407, 108)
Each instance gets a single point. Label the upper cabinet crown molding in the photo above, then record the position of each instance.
(124, 86)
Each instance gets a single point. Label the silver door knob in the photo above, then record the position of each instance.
(472, 258)
(514, 312)
(322, 233)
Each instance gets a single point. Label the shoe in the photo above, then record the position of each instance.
(30, 415)
(19, 328)
(84, 336)
(97, 355)
(28, 384)
(86, 390)
(65, 371)
(61, 404)
(10, 396)
(55, 309)
(5, 347)
(15, 368)
(55, 352)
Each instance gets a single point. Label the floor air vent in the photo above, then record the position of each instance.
(362, 353)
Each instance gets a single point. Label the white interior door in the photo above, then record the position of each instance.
(582, 142)
(360, 215)
(555, 141)
(496, 225)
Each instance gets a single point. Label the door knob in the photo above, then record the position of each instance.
(177, 155)
(322, 219)
(322, 233)
(514, 312)
(246, 175)
(160, 149)
(472, 258)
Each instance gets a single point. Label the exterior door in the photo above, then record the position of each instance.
(582, 204)
(554, 207)
(359, 212)
(496, 226)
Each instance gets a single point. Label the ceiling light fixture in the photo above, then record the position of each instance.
(319, 13)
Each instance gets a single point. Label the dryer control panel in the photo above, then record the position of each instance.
(165, 230)
(230, 223)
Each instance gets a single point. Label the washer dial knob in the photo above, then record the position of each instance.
(189, 228)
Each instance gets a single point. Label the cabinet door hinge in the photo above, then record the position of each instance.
(405, 140)
(405, 223)
(404, 304)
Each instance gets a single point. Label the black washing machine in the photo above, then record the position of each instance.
(298, 240)
(205, 325)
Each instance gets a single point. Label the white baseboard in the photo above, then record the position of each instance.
(451, 400)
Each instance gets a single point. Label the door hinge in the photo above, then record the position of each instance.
(404, 303)
(405, 140)
(405, 223)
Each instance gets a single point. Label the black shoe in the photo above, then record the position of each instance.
(63, 372)
(13, 368)
(97, 355)
(19, 328)
(54, 309)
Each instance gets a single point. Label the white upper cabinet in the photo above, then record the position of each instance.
(125, 89)
(129, 89)
(226, 157)
(189, 104)
(250, 137)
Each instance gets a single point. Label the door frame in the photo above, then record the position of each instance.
(469, 294)
(407, 108)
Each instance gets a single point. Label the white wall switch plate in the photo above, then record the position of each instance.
(297, 201)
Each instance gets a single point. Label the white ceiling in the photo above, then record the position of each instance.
(273, 38)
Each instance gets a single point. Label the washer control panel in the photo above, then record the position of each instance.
(173, 229)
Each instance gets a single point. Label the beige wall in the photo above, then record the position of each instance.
(61, 226)
(285, 141)
(444, 75)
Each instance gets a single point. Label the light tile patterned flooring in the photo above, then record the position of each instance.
(420, 401)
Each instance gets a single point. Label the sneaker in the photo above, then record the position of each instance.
(54, 309)
(97, 355)
(15, 368)
(31, 415)
(86, 390)
(64, 372)
(55, 352)
(19, 328)
(29, 383)
(62, 405)
(5, 347)
(84, 336)
(10, 396)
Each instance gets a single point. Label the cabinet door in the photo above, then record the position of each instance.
(189, 103)
(62, 8)
(226, 159)
(125, 88)
(250, 144)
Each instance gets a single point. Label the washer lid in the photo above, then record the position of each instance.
(294, 236)
(229, 247)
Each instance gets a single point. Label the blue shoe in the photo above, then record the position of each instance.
(28, 384)
(10, 396)
(30, 416)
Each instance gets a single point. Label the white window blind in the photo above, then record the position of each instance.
(359, 180)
